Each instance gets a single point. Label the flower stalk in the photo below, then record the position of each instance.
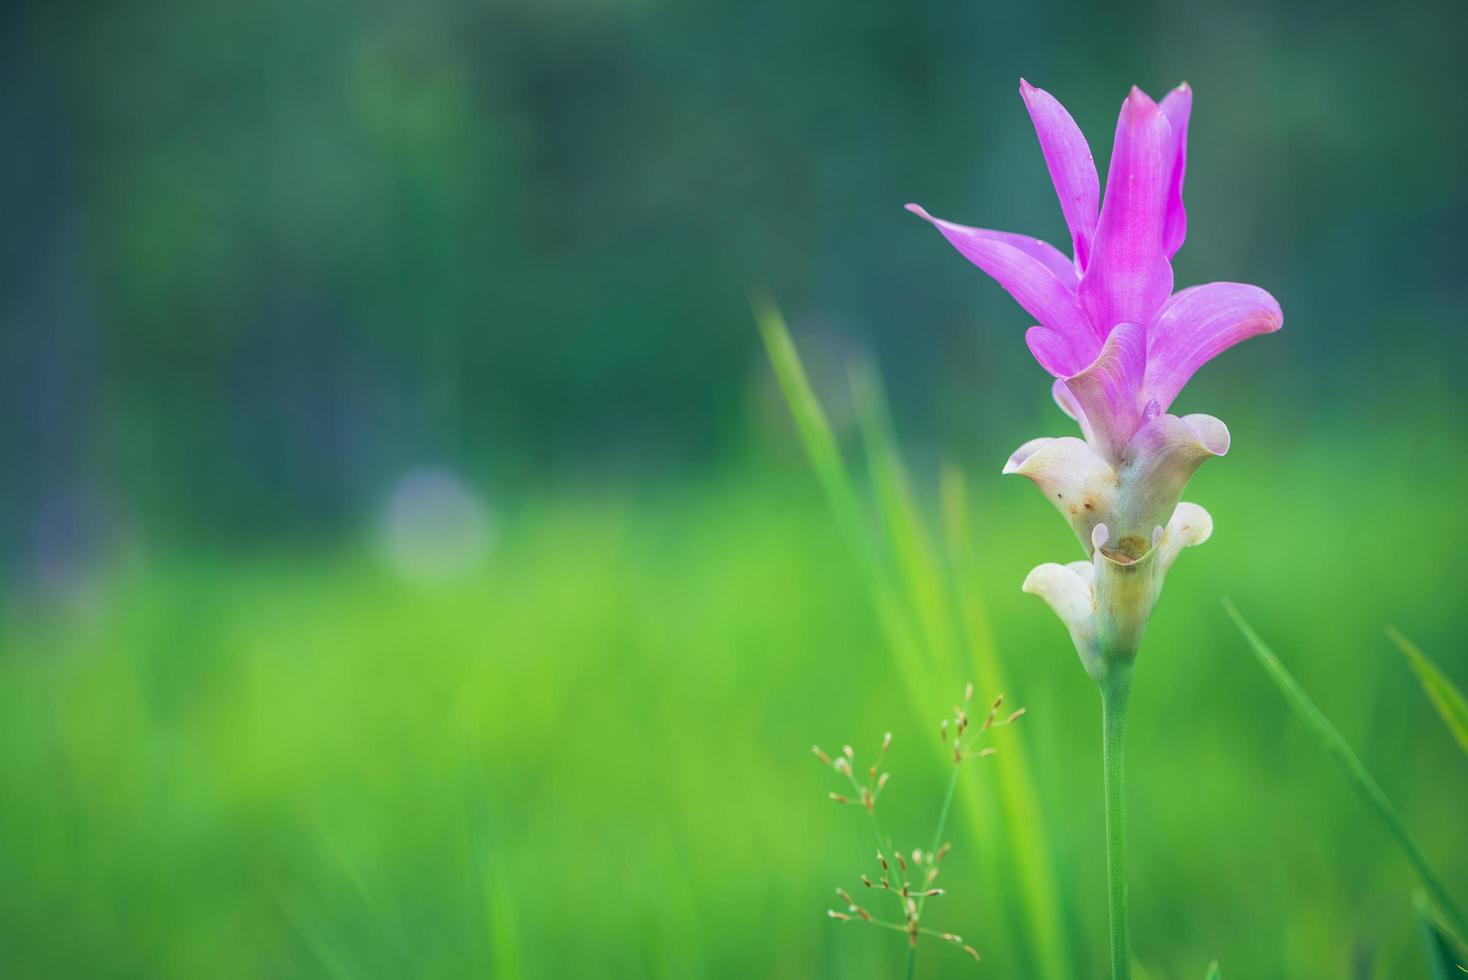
(1116, 693)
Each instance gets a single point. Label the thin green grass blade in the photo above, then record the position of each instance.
(932, 594)
(1352, 766)
(334, 955)
(1213, 973)
(825, 457)
(1451, 706)
(810, 421)
(502, 927)
(1018, 799)
(919, 568)
(920, 576)
(918, 610)
(1447, 954)
(496, 892)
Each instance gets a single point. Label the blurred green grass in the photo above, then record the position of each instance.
(591, 757)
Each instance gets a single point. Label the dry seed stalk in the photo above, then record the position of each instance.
(911, 899)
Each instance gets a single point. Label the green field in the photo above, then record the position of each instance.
(591, 756)
(413, 566)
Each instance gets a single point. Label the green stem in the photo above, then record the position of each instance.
(937, 843)
(943, 813)
(1116, 691)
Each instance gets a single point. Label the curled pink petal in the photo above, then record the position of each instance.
(1051, 257)
(1066, 400)
(1062, 354)
(1129, 276)
(1072, 168)
(1032, 282)
(1109, 390)
(1197, 325)
(1038, 249)
(979, 246)
(1177, 106)
(1071, 407)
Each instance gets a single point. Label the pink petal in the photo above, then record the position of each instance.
(1129, 276)
(1067, 401)
(1197, 325)
(1071, 407)
(1072, 169)
(1177, 106)
(1062, 354)
(1027, 274)
(1109, 390)
(1052, 258)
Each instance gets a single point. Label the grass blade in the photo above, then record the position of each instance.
(1451, 706)
(916, 563)
(942, 617)
(1213, 973)
(1352, 766)
(503, 927)
(1018, 799)
(810, 421)
(923, 620)
(825, 457)
(1447, 954)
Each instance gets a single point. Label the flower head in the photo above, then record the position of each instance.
(1121, 346)
(1119, 341)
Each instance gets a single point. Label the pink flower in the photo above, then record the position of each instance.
(1119, 341)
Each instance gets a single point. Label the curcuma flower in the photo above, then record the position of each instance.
(1121, 346)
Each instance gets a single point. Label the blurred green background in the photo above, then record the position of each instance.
(411, 568)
